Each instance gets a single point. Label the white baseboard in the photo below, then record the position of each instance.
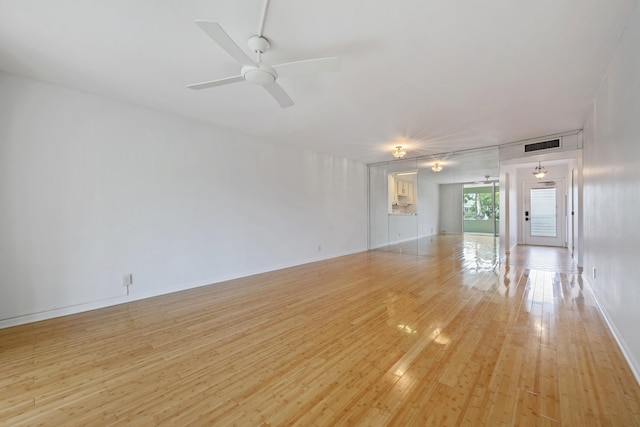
(396, 242)
(61, 311)
(633, 364)
(108, 302)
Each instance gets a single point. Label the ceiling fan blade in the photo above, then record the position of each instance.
(308, 66)
(279, 94)
(215, 31)
(215, 83)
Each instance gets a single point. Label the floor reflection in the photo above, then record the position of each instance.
(541, 278)
(542, 258)
(476, 252)
(479, 252)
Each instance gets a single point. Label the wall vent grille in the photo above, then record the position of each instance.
(545, 145)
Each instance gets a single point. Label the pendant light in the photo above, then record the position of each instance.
(539, 171)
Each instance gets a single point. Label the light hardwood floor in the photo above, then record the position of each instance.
(448, 337)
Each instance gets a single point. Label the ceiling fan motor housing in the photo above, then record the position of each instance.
(258, 44)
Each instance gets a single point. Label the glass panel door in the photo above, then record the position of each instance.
(544, 213)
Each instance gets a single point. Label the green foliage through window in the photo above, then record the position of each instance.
(479, 205)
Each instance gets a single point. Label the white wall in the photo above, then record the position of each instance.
(611, 168)
(91, 189)
(450, 208)
(509, 215)
(379, 195)
(402, 228)
(580, 214)
(574, 200)
(428, 205)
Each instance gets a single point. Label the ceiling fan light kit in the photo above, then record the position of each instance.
(399, 152)
(257, 72)
(262, 75)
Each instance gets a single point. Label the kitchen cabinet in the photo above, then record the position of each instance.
(404, 192)
(402, 187)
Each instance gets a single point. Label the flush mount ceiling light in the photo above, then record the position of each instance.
(539, 171)
(399, 152)
(436, 167)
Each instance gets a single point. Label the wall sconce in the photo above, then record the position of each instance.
(436, 167)
(399, 152)
(539, 171)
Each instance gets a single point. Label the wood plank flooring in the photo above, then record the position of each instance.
(448, 337)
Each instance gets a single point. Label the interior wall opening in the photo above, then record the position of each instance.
(413, 200)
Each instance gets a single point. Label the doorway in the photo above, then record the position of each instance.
(544, 213)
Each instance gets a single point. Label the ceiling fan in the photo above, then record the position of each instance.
(257, 72)
(487, 180)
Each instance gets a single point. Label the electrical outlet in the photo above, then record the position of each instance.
(319, 248)
(127, 279)
(594, 272)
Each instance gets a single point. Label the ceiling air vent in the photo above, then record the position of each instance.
(545, 145)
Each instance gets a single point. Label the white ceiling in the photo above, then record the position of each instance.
(439, 75)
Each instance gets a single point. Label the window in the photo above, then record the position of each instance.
(481, 208)
(479, 203)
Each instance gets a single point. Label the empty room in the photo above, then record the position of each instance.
(271, 213)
